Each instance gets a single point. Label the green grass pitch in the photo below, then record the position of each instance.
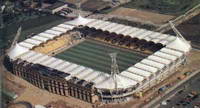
(95, 55)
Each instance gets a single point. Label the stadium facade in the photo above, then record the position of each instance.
(38, 66)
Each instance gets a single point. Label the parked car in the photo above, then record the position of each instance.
(180, 91)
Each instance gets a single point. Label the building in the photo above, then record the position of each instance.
(56, 7)
(95, 6)
(82, 71)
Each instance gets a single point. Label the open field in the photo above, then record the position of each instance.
(94, 5)
(142, 15)
(172, 7)
(96, 55)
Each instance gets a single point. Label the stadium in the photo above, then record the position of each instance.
(96, 60)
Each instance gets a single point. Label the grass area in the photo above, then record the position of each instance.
(173, 7)
(96, 56)
(94, 5)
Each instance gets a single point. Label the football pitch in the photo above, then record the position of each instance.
(95, 55)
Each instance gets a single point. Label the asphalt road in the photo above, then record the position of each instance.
(175, 98)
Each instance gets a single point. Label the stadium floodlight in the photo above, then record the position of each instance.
(78, 5)
(114, 68)
(1, 16)
(16, 38)
(177, 32)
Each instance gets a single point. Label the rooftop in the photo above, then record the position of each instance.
(56, 5)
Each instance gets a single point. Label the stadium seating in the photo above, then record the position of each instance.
(52, 45)
(122, 41)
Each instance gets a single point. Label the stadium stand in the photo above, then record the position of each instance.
(70, 73)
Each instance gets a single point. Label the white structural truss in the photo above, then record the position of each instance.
(114, 67)
(178, 34)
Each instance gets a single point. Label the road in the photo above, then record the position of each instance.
(192, 84)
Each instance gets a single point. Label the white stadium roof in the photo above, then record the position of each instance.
(175, 48)
(78, 70)
(159, 59)
(43, 39)
(54, 32)
(172, 52)
(34, 57)
(66, 26)
(62, 66)
(60, 29)
(134, 32)
(179, 44)
(140, 72)
(79, 21)
(26, 45)
(68, 69)
(17, 50)
(153, 63)
(32, 41)
(84, 74)
(121, 83)
(56, 63)
(132, 76)
(28, 55)
(47, 35)
(43, 58)
(146, 67)
(164, 55)
(93, 76)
